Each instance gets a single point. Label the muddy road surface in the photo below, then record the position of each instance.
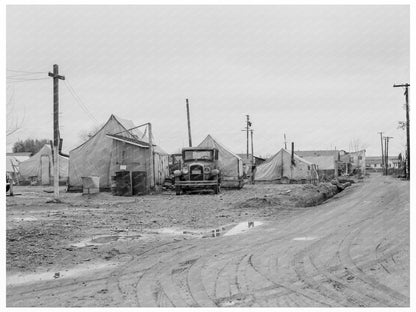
(351, 251)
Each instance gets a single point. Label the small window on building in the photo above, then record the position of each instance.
(360, 157)
(309, 167)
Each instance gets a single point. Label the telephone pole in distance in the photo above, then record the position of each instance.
(406, 93)
(56, 136)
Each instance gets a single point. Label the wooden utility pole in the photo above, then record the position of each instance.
(189, 123)
(382, 153)
(406, 93)
(252, 148)
(152, 158)
(386, 151)
(55, 75)
(252, 157)
(247, 130)
(284, 135)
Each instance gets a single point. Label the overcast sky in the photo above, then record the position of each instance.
(321, 74)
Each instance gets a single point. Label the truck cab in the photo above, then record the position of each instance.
(199, 170)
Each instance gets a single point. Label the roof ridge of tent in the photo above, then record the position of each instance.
(223, 146)
(112, 116)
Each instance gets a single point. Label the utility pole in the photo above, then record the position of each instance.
(252, 157)
(189, 123)
(247, 130)
(284, 135)
(56, 77)
(386, 151)
(152, 158)
(382, 153)
(406, 93)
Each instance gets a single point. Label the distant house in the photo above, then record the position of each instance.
(356, 160)
(374, 163)
(325, 160)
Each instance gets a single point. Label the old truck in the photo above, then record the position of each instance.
(199, 170)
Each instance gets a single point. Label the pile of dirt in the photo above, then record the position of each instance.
(307, 195)
(316, 195)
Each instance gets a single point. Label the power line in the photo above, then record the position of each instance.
(25, 71)
(79, 101)
(25, 79)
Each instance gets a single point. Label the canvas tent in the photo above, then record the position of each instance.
(230, 164)
(114, 148)
(280, 169)
(40, 167)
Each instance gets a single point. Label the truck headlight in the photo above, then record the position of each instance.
(207, 169)
(177, 173)
(185, 170)
(215, 171)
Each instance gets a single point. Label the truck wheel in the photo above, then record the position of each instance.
(178, 190)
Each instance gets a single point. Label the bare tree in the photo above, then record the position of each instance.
(85, 135)
(13, 122)
(356, 145)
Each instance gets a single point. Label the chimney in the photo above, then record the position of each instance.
(293, 153)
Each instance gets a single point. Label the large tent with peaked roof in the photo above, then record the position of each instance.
(40, 167)
(282, 168)
(116, 145)
(230, 164)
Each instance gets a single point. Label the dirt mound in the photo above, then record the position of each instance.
(301, 196)
(317, 195)
(257, 202)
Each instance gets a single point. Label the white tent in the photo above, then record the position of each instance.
(281, 168)
(40, 166)
(230, 164)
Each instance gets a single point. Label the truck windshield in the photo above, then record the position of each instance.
(194, 155)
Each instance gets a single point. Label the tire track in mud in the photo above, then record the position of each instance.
(196, 284)
(354, 297)
(385, 294)
(253, 273)
(152, 286)
(232, 281)
(268, 264)
(303, 263)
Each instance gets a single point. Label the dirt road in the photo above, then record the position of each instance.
(351, 251)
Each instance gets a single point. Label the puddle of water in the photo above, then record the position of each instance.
(243, 227)
(82, 269)
(305, 238)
